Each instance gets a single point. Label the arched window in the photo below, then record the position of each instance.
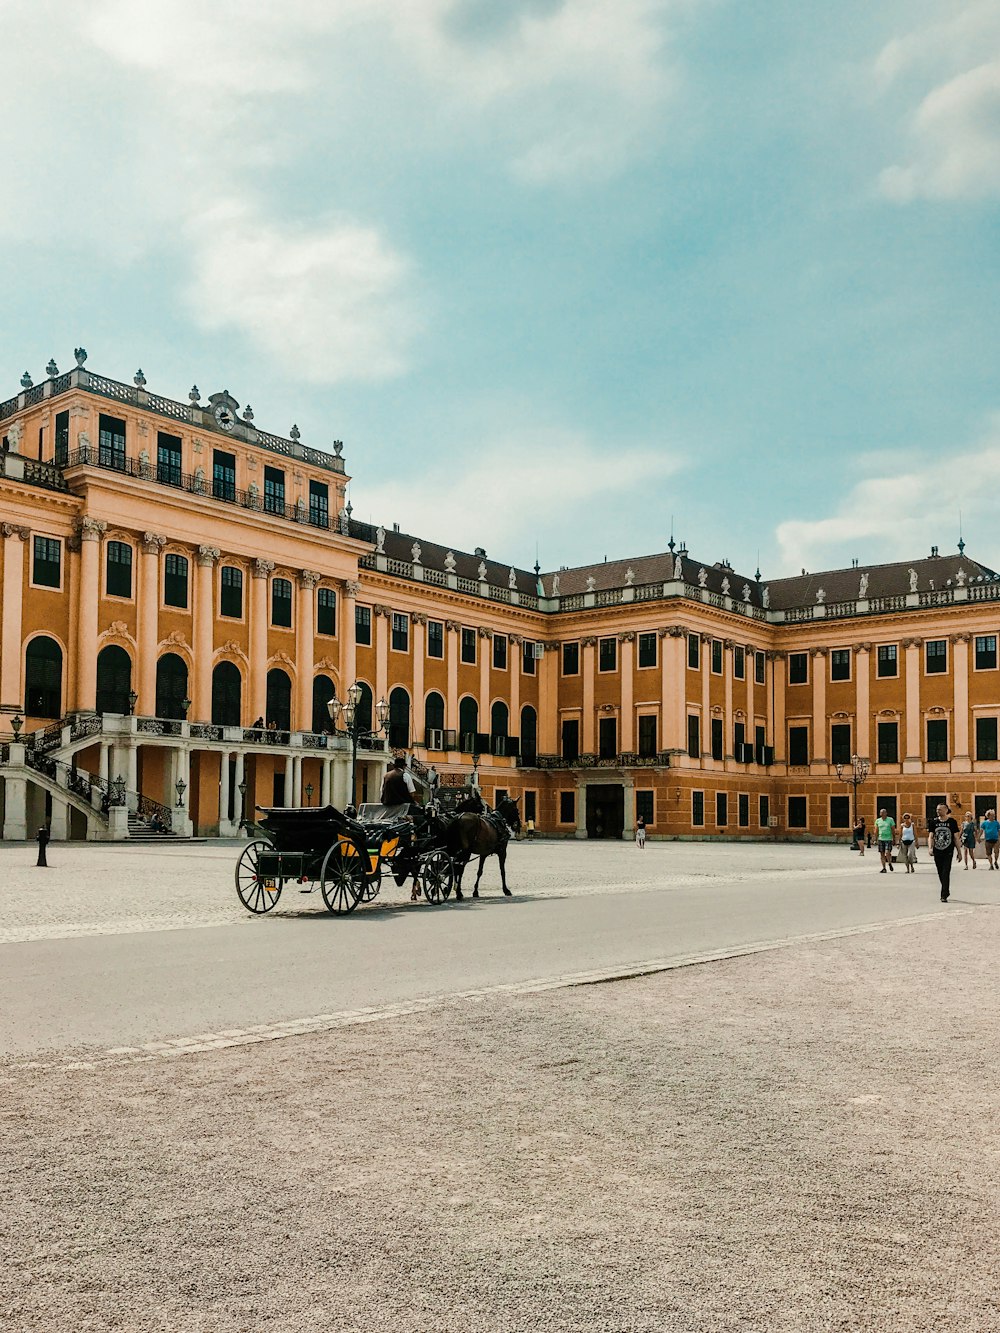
(114, 680)
(468, 724)
(227, 695)
(323, 692)
(529, 734)
(366, 705)
(171, 686)
(399, 718)
(434, 713)
(279, 699)
(499, 726)
(43, 678)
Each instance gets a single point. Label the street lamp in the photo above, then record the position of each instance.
(242, 788)
(185, 705)
(16, 723)
(180, 787)
(347, 722)
(133, 699)
(309, 793)
(854, 776)
(118, 791)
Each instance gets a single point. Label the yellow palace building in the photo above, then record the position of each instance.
(185, 593)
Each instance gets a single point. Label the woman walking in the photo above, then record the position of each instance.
(860, 833)
(640, 832)
(908, 843)
(969, 839)
(991, 834)
(942, 841)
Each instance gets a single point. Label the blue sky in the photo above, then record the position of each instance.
(554, 270)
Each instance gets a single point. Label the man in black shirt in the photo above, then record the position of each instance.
(942, 842)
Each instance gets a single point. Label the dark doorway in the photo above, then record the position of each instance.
(889, 804)
(931, 804)
(278, 789)
(984, 803)
(605, 811)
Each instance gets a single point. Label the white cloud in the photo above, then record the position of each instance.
(516, 487)
(954, 132)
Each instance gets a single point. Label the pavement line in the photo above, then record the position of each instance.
(299, 1027)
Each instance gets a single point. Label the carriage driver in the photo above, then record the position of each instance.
(397, 786)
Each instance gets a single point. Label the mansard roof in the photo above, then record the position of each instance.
(894, 580)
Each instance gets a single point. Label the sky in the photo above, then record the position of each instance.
(563, 275)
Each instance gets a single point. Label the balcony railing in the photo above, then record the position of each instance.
(626, 759)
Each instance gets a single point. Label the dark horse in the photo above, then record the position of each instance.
(481, 832)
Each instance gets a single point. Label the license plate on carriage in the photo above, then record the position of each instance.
(269, 885)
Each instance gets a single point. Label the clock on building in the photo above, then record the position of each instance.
(224, 418)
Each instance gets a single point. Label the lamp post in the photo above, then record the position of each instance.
(854, 776)
(309, 793)
(185, 705)
(16, 723)
(133, 699)
(243, 802)
(180, 787)
(118, 791)
(347, 722)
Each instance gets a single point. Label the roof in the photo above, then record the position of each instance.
(844, 585)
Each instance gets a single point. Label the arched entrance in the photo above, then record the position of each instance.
(171, 687)
(43, 678)
(323, 691)
(114, 680)
(227, 695)
(279, 699)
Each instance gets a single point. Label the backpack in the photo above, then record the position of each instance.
(943, 836)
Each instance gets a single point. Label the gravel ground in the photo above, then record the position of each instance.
(793, 1141)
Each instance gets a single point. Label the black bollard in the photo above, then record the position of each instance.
(43, 840)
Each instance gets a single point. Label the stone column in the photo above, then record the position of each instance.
(289, 781)
(296, 780)
(706, 699)
(204, 623)
(224, 823)
(348, 646)
(15, 811)
(819, 740)
(104, 763)
(147, 622)
(862, 700)
(132, 770)
(728, 719)
(912, 759)
(961, 760)
(380, 631)
(626, 731)
(628, 832)
(485, 664)
(750, 666)
(305, 644)
(59, 820)
(673, 694)
(515, 649)
(91, 531)
(452, 631)
(324, 782)
(260, 572)
(581, 809)
(14, 539)
(418, 625)
(588, 666)
(238, 800)
(548, 700)
(780, 739)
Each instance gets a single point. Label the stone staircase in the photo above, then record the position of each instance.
(143, 830)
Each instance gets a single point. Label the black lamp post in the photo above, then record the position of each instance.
(347, 722)
(854, 777)
(309, 793)
(243, 802)
(118, 791)
(16, 723)
(180, 787)
(185, 705)
(133, 699)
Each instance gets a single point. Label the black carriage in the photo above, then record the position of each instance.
(343, 857)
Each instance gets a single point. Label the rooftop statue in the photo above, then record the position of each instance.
(380, 540)
(863, 587)
(913, 580)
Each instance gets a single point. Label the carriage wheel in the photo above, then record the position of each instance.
(257, 894)
(436, 876)
(372, 885)
(342, 881)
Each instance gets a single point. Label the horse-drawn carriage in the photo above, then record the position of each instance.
(343, 857)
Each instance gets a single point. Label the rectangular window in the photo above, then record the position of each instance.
(400, 632)
(567, 807)
(62, 438)
(698, 808)
(435, 638)
(500, 652)
(888, 742)
(571, 659)
(716, 657)
(840, 743)
(111, 443)
(607, 737)
(986, 652)
(739, 662)
(175, 580)
(797, 812)
(46, 565)
(840, 664)
(647, 735)
(281, 603)
(119, 570)
(764, 811)
(362, 624)
(468, 653)
(721, 809)
(798, 668)
(223, 475)
(986, 738)
(758, 668)
(528, 659)
(647, 650)
(530, 807)
(743, 810)
(319, 504)
(937, 740)
(885, 660)
(936, 657)
(798, 745)
(231, 592)
(694, 736)
(644, 807)
(760, 738)
(168, 459)
(840, 812)
(694, 652)
(326, 611)
(889, 804)
(717, 751)
(739, 741)
(274, 490)
(570, 738)
(607, 655)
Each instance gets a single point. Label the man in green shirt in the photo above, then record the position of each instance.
(886, 826)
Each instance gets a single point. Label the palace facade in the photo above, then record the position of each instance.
(184, 594)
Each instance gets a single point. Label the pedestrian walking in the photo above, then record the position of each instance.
(908, 843)
(968, 837)
(860, 833)
(991, 835)
(640, 832)
(943, 843)
(886, 826)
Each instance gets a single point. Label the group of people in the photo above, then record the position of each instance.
(946, 841)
